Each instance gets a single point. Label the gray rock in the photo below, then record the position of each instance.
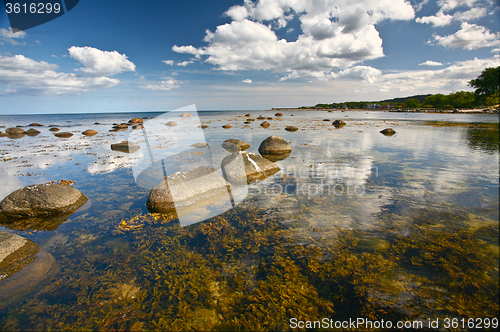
(245, 167)
(235, 145)
(15, 252)
(42, 199)
(186, 188)
(125, 146)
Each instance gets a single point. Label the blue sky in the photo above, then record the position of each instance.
(121, 56)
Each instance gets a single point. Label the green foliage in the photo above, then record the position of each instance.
(487, 84)
(412, 103)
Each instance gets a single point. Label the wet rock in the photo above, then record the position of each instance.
(139, 126)
(97, 123)
(199, 145)
(186, 115)
(54, 129)
(42, 199)
(171, 124)
(125, 146)
(388, 132)
(135, 120)
(248, 115)
(235, 145)
(89, 132)
(32, 132)
(291, 128)
(292, 114)
(226, 126)
(274, 145)
(121, 126)
(15, 131)
(35, 124)
(247, 122)
(186, 189)
(253, 168)
(250, 119)
(63, 134)
(265, 124)
(24, 269)
(278, 114)
(3, 134)
(327, 120)
(338, 123)
(203, 126)
(260, 117)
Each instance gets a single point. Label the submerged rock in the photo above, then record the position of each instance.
(186, 115)
(35, 124)
(42, 199)
(121, 126)
(199, 145)
(125, 146)
(187, 189)
(235, 145)
(89, 132)
(338, 123)
(54, 129)
(64, 134)
(388, 132)
(32, 132)
(15, 252)
(253, 168)
(15, 131)
(291, 128)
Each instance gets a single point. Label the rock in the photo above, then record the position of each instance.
(64, 134)
(97, 123)
(89, 132)
(291, 128)
(54, 129)
(50, 126)
(260, 117)
(171, 124)
(247, 122)
(203, 126)
(15, 131)
(125, 146)
(199, 145)
(274, 145)
(32, 132)
(235, 145)
(248, 115)
(3, 134)
(139, 126)
(388, 132)
(121, 126)
(24, 269)
(338, 123)
(42, 199)
(327, 120)
(226, 126)
(135, 120)
(265, 124)
(186, 189)
(35, 124)
(278, 114)
(253, 168)
(269, 118)
(186, 115)
(292, 114)
(250, 119)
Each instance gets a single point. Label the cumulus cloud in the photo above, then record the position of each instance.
(165, 85)
(438, 20)
(470, 36)
(430, 63)
(100, 63)
(21, 75)
(184, 63)
(335, 36)
(168, 62)
(246, 81)
(443, 19)
(7, 36)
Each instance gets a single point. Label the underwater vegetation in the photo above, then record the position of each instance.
(244, 270)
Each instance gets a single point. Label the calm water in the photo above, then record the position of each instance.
(356, 224)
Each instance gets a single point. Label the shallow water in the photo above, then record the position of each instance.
(356, 224)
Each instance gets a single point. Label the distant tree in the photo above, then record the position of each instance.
(436, 101)
(487, 84)
(412, 103)
(461, 99)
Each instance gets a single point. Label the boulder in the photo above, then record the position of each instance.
(120, 126)
(274, 145)
(291, 128)
(97, 123)
(32, 132)
(388, 132)
(253, 168)
(64, 134)
(3, 134)
(186, 189)
(125, 146)
(54, 129)
(135, 120)
(15, 131)
(248, 115)
(235, 145)
(89, 132)
(260, 117)
(35, 124)
(24, 269)
(265, 124)
(278, 114)
(226, 126)
(42, 200)
(338, 123)
(171, 124)
(186, 115)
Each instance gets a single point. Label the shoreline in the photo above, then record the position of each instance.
(429, 111)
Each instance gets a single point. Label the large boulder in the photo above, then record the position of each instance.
(275, 148)
(245, 167)
(24, 268)
(235, 145)
(15, 131)
(42, 199)
(185, 189)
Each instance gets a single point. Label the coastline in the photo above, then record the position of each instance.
(430, 111)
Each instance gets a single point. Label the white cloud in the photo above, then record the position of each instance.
(246, 81)
(472, 14)
(335, 35)
(7, 36)
(470, 36)
(21, 75)
(168, 62)
(101, 63)
(438, 20)
(166, 85)
(430, 63)
(184, 63)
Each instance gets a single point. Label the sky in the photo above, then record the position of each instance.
(134, 56)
